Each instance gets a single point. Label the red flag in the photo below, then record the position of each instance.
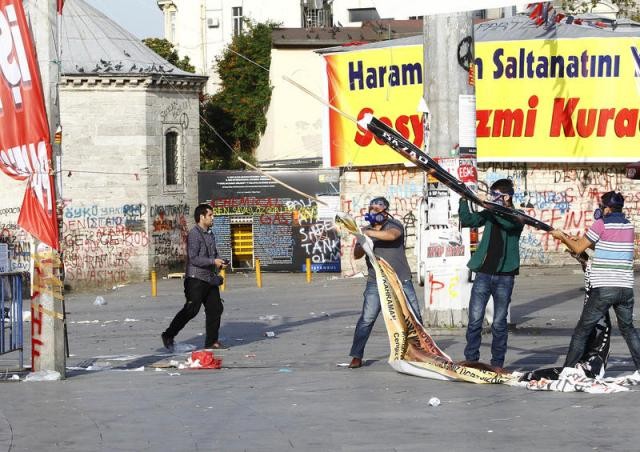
(60, 6)
(25, 146)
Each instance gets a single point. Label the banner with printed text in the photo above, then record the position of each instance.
(25, 147)
(564, 100)
(386, 82)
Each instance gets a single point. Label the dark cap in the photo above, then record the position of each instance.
(613, 199)
(380, 200)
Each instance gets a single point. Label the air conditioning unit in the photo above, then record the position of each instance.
(213, 22)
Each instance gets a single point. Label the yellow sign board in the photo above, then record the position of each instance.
(567, 100)
(386, 82)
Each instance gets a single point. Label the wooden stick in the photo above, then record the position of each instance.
(320, 99)
(275, 179)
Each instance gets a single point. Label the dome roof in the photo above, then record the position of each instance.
(92, 43)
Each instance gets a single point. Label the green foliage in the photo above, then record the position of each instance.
(581, 6)
(166, 50)
(238, 111)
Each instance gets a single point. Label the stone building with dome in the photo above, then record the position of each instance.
(130, 154)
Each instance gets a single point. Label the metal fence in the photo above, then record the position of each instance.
(11, 315)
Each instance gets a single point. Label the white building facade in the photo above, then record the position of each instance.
(201, 29)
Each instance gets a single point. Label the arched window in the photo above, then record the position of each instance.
(172, 165)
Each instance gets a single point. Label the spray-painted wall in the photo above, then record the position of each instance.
(125, 220)
(402, 186)
(18, 240)
(563, 196)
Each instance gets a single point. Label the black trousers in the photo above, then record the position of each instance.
(198, 292)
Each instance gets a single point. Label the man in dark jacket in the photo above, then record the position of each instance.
(201, 281)
(496, 262)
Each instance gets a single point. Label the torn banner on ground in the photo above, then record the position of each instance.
(413, 350)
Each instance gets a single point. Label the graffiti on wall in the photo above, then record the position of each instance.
(169, 233)
(286, 231)
(321, 243)
(19, 244)
(98, 245)
(176, 111)
(563, 196)
(403, 187)
(110, 245)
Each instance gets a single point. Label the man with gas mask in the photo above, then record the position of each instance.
(612, 237)
(495, 262)
(387, 235)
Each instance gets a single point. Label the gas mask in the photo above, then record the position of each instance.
(497, 197)
(377, 217)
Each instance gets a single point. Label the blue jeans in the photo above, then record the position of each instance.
(485, 286)
(371, 309)
(600, 300)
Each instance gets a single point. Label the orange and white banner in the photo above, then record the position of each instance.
(25, 147)
(386, 82)
(562, 100)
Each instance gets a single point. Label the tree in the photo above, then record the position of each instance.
(166, 50)
(626, 7)
(237, 113)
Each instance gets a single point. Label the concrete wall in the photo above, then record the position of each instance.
(18, 240)
(294, 119)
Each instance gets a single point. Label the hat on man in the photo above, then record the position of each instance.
(613, 199)
(380, 200)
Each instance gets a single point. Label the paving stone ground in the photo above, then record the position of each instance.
(288, 392)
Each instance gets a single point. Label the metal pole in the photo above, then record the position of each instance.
(258, 274)
(223, 274)
(154, 283)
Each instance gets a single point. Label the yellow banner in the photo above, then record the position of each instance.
(384, 82)
(568, 100)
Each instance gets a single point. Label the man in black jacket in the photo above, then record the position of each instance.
(201, 281)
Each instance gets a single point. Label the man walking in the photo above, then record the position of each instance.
(387, 235)
(612, 236)
(496, 263)
(201, 284)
